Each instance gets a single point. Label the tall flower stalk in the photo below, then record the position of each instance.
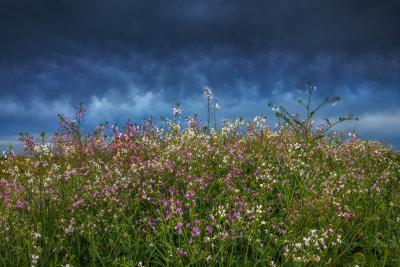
(211, 108)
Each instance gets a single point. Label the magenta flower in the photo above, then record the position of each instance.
(179, 227)
(196, 231)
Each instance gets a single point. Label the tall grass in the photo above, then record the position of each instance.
(193, 196)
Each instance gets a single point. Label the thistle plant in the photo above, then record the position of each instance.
(304, 129)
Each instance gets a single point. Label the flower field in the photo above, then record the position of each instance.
(145, 196)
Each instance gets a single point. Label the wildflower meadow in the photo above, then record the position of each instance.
(193, 195)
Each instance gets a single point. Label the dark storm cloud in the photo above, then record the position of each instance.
(60, 32)
(35, 28)
(141, 57)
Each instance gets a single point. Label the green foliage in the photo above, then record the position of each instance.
(304, 129)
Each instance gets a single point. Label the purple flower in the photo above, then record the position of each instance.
(178, 227)
(196, 231)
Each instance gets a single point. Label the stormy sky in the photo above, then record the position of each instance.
(135, 59)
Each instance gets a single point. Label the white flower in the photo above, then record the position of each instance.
(307, 241)
(34, 258)
(313, 232)
(208, 93)
(36, 235)
(176, 111)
